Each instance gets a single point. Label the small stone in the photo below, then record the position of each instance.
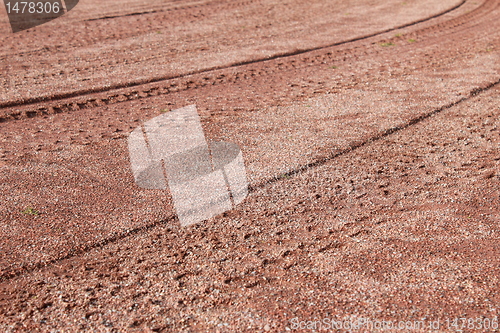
(489, 174)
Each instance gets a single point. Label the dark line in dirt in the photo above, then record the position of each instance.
(127, 15)
(156, 11)
(76, 252)
(252, 188)
(131, 84)
(384, 134)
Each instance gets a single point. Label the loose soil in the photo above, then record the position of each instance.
(370, 133)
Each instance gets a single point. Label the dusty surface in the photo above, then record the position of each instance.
(74, 55)
(372, 152)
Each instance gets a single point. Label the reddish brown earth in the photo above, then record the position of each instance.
(370, 132)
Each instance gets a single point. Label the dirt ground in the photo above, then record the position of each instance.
(370, 132)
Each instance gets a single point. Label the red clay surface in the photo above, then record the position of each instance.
(370, 132)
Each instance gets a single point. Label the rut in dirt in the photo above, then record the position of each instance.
(212, 76)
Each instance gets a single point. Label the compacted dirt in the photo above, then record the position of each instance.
(370, 132)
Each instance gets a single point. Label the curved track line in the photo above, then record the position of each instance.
(252, 188)
(131, 84)
(219, 4)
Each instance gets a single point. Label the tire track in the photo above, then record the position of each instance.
(30, 268)
(384, 134)
(180, 13)
(212, 76)
(221, 5)
(227, 78)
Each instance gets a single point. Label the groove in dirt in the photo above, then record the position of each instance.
(162, 11)
(131, 84)
(252, 188)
